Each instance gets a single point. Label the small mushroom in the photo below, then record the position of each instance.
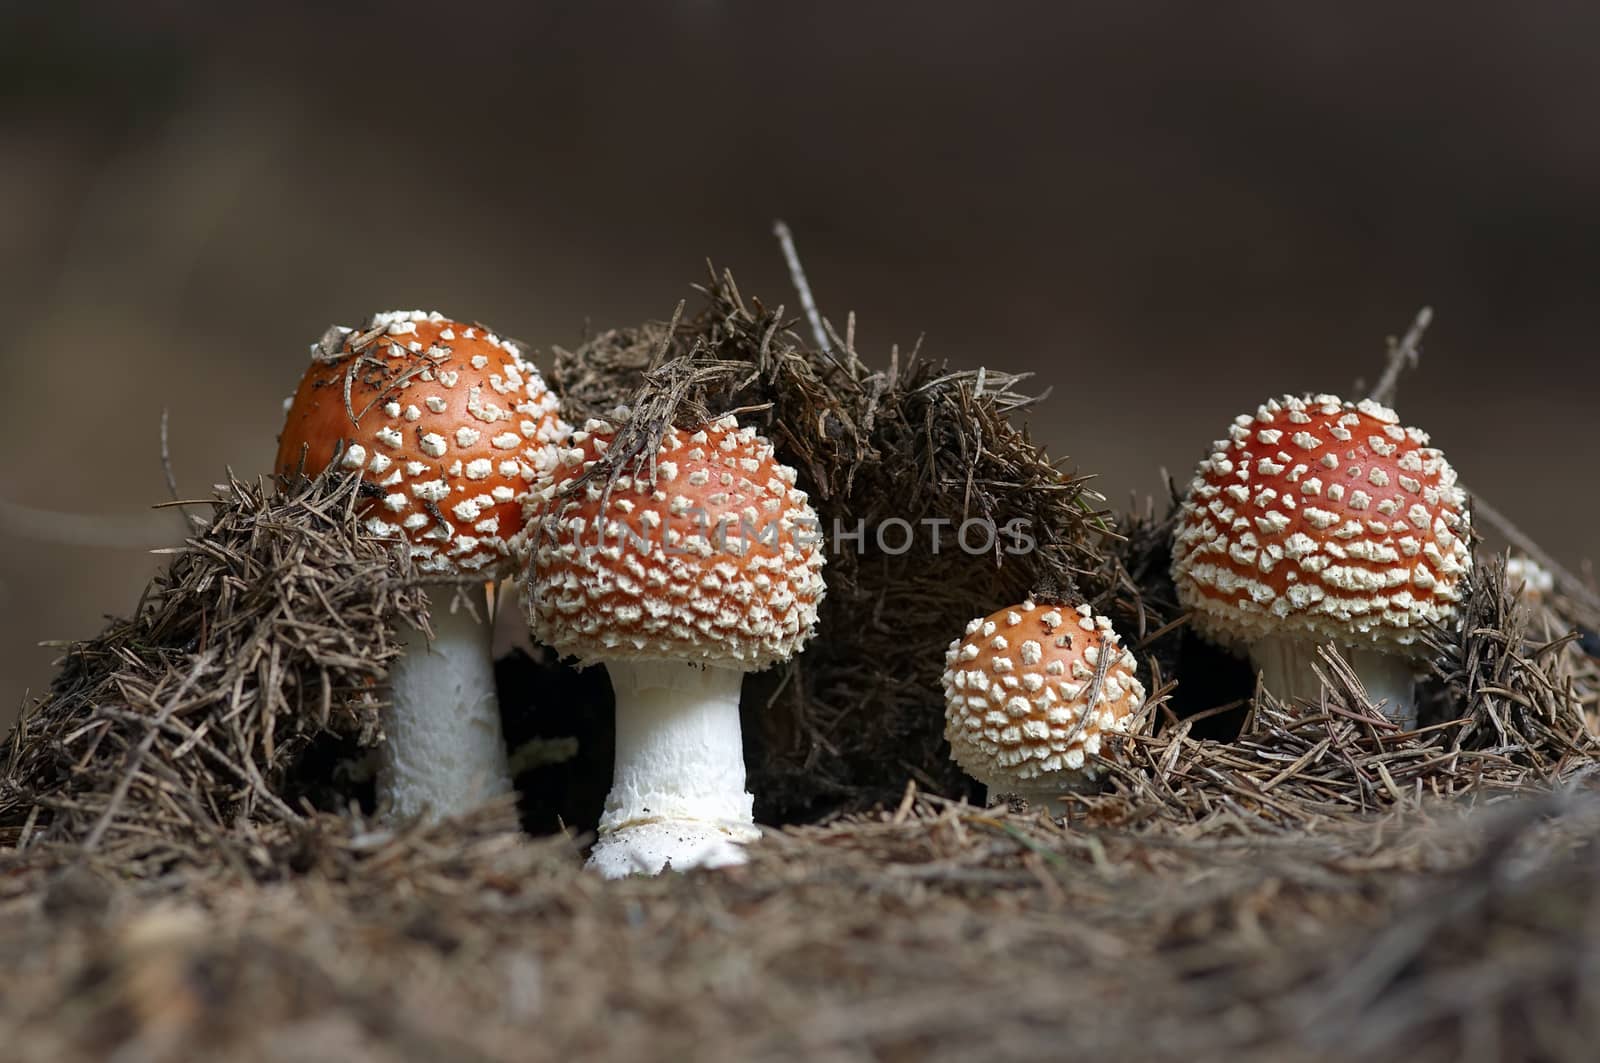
(1319, 520)
(1533, 583)
(1031, 692)
(679, 584)
(447, 423)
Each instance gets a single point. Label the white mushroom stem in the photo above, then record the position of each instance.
(1286, 671)
(443, 751)
(677, 795)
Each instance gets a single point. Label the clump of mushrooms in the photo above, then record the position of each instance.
(1031, 692)
(701, 566)
(1319, 520)
(448, 423)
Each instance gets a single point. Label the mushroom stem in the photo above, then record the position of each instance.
(443, 752)
(1050, 794)
(677, 794)
(1286, 670)
(1051, 801)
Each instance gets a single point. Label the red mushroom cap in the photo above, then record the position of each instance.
(1018, 687)
(1321, 519)
(446, 418)
(718, 560)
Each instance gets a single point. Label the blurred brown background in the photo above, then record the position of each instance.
(1168, 211)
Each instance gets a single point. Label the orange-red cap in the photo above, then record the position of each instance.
(1321, 519)
(1021, 702)
(447, 419)
(717, 560)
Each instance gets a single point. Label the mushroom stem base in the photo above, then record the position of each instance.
(1286, 670)
(443, 751)
(677, 794)
(1051, 798)
(651, 848)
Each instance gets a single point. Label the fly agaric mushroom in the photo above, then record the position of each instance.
(703, 565)
(1031, 692)
(448, 423)
(1320, 520)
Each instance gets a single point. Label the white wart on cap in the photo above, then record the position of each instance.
(679, 583)
(1322, 520)
(1032, 692)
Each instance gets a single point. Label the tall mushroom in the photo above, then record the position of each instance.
(702, 565)
(447, 422)
(1031, 692)
(1319, 520)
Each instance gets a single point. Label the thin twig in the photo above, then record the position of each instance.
(178, 500)
(1403, 354)
(166, 459)
(797, 275)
